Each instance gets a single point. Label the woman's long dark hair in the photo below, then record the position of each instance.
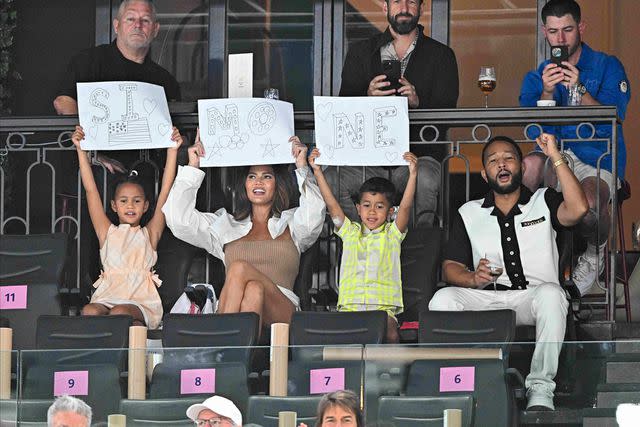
(282, 198)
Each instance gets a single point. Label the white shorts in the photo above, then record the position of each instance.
(582, 170)
(291, 296)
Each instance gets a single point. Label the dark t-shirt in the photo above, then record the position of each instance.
(106, 63)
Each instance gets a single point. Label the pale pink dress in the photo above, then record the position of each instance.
(127, 277)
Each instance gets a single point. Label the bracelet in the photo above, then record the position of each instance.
(560, 161)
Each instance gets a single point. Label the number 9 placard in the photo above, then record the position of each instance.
(459, 378)
(73, 383)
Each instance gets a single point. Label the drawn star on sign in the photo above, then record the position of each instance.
(269, 148)
(216, 149)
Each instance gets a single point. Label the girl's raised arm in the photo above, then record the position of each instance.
(99, 219)
(155, 227)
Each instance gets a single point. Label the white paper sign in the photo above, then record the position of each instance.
(240, 75)
(123, 116)
(245, 131)
(361, 131)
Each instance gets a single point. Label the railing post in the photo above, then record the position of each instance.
(6, 343)
(137, 359)
(452, 418)
(279, 359)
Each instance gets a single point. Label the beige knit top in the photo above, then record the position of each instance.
(279, 259)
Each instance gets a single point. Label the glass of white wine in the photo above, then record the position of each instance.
(495, 270)
(487, 82)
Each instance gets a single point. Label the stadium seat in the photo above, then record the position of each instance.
(37, 261)
(420, 259)
(214, 333)
(308, 262)
(33, 413)
(213, 341)
(445, 327)
(263, 410)
(327, 328)
(488, 387)
(174, 262)
(8, 412)
(96, 344)
(154, 412)
(422, 411)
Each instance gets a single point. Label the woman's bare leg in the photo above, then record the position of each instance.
(129, 310)
(247, 289)
(94, 309)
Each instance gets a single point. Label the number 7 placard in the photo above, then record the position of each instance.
(326, 380)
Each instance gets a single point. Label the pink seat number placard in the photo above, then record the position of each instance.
(73, 383)
(13, 297)
(326, 380)
(459, 378)
(196, 381)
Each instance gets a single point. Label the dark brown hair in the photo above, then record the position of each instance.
(281, 199)
(346, 399)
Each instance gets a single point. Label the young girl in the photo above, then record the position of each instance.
(370, 266)
(128, 252)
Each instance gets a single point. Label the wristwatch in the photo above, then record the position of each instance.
(582, 88)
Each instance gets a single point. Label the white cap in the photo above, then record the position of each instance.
(218, 404)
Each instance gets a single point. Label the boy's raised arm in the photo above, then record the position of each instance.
(333, 207)
(404, 210)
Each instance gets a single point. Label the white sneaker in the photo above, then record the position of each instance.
(540, 398)
(590, 265)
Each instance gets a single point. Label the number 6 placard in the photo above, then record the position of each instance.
(197, 381)
(73, 383)
(459, 378)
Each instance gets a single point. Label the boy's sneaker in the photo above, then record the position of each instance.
(589, 267)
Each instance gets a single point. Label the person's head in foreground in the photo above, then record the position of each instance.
(374, 202)
(502, 161)
(215, 411)
(68, 411)
(339, 408)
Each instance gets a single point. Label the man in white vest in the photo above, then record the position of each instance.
(512, 232)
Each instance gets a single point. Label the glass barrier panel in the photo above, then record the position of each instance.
(280, 36)
(492, 382)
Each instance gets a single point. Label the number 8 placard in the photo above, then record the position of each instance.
(459, 378)
(197, 381)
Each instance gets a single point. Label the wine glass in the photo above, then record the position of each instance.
(495, 270)
(487, 82)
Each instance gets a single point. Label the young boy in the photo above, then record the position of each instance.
(370, 267)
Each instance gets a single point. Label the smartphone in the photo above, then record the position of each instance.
(559, 54)
(391, 68)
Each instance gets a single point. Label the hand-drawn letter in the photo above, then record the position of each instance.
(380, 114)
(343, 129)
(93, 100)
(131, 128)
(228, 121)
(261, 118)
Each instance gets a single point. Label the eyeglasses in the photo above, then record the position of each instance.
(213, 422)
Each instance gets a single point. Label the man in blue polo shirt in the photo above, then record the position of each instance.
(601, 80)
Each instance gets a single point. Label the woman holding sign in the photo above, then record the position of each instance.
(261, 242)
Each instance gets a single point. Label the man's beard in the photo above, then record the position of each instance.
(404, 27)
(516, 181)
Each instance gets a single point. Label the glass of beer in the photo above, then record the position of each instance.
(487, 82)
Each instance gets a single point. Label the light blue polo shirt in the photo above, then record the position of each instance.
(606, 81)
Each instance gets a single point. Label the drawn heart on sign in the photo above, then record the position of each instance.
(391, 156)
(163, 128)
(93, 131)
(149, 105)
(329, 151)
(324, 110)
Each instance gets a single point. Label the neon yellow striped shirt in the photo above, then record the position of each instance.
(370, 267)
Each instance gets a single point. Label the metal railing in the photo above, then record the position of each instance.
(38, 139)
